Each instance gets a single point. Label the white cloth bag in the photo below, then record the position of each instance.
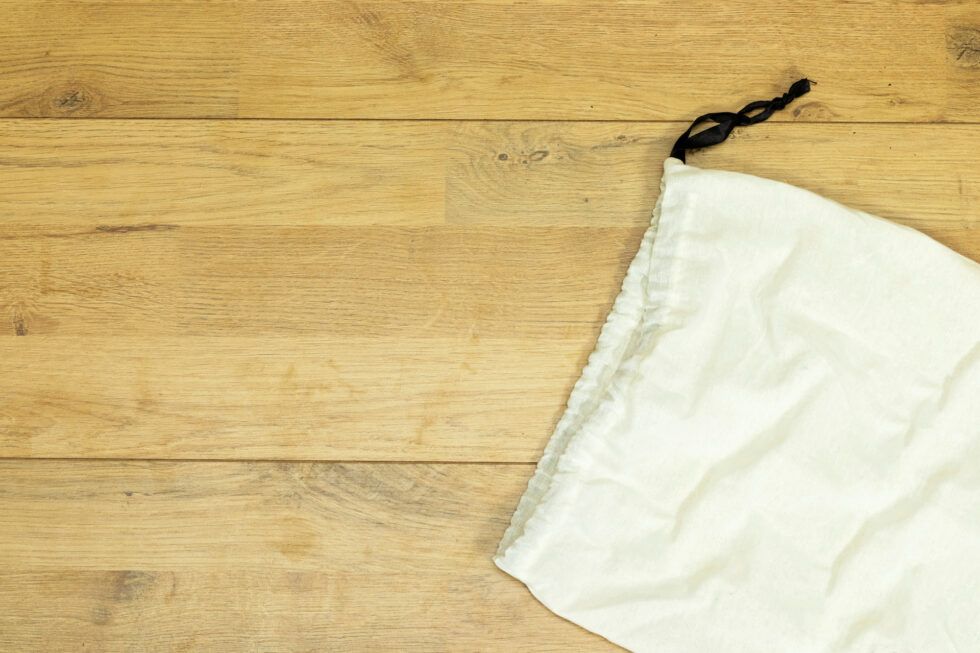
(775, 447)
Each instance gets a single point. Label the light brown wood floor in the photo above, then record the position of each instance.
(292, 293)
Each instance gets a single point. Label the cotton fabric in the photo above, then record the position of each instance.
(775, 446)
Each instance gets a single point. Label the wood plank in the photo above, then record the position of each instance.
(266, 611)
(272, 557)
(116, 173)
(924, 176)
(881, 60)
(119, 172)
(466, 398)
(149, 280)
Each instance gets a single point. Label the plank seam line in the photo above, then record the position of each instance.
(467, 120)
(271, 461)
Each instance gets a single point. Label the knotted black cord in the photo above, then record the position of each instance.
(727, 121)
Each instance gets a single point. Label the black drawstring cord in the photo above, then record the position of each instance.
(727, 121)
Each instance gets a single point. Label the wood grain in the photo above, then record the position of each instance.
(117, 173)
(533, 282)
(881, 60)
(213, 296)
(121, 172)
(924, 176)
(276, 319)
(263, 557)
(284, 397)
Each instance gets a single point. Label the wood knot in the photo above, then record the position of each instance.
(71, 99)
(813, 111)
(535, 156)
(963, 46)
(131, 585)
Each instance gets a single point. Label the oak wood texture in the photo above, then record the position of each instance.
(208, 289)
(159, 174)
(293, 397)
(290, 305)
(163, 556)
(880, 60)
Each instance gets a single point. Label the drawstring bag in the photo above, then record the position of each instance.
(775, 446)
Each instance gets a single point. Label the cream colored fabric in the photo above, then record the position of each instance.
(775, 447)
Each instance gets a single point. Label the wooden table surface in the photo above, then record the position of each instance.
(292, 293)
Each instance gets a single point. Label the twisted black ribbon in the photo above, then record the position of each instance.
(750, 114)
